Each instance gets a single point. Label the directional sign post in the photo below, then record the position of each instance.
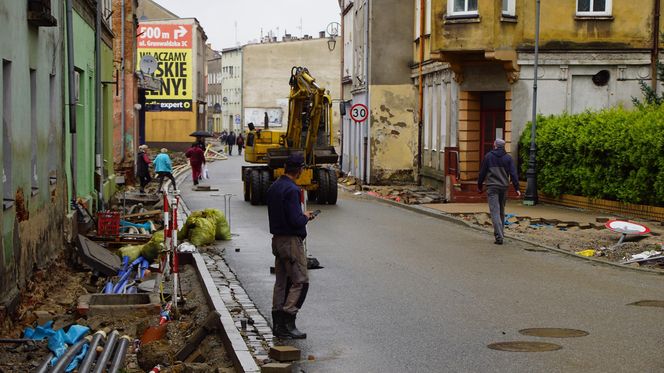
(359, 112)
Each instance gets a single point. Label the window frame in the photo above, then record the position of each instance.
(453, 13)
(511, 8)
(608, 10)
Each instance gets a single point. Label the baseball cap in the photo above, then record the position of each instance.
(294, 161)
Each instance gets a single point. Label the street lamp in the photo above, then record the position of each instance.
(331, 43)
(531, 173)
(332, 30)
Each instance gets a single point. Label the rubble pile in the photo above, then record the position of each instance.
(589, 239)
(114, 299)
(410, 195)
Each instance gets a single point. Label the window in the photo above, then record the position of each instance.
(462, 7)
(53, 119)
(509, 8)
(593, 7)
(33, 130)
(427, 17)
(8, 195)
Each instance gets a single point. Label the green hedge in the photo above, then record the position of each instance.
(614, 154)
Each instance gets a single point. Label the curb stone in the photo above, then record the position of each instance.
(452, 219)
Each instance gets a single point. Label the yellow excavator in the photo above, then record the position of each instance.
(308, 133)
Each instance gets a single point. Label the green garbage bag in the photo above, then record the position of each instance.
(201, 231)
(132, 251)
(152, 249)
(222, 229)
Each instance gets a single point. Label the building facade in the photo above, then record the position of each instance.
(214, 90)
(125, 114)
(376, 73)
(231, 89)
(34, 188)
(266, 70)
(592, 56)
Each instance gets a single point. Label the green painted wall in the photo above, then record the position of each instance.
(31, 109)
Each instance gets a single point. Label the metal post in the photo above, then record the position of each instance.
(174, 238)
(531, 174)
(99, 150)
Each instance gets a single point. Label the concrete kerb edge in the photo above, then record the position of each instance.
(233, 341)
(443, 216)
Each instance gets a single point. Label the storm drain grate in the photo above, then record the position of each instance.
(648, 303)
(524, 346)
(554, 332)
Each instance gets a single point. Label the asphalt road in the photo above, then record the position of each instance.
(403, 292)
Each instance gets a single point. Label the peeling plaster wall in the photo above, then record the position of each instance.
(31, 228)
(393, 137)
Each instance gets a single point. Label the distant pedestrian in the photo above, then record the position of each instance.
(288, 225)
(164, 168)
(240, 143)
(200, 142)
(498, 168)
(230, 141)
(143, 167)
(196, 160)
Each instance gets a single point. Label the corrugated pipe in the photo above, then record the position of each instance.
(65, 359)
(43, 367)
(121, 352)
(106, 354)
(89, 359)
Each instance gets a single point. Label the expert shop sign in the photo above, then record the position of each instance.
(170, 45)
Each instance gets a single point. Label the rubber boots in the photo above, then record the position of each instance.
(283, 326)
(291, 328)
(278, 325)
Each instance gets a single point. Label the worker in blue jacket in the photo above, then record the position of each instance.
(288, 225)
(164, 168)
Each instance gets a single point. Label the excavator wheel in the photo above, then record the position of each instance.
(323, 186)
(247, 185)
(266, 181)
(255, 192)
(332, 191)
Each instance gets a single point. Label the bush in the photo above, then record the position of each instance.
(613, 154)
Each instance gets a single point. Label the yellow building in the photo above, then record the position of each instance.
(478, 77)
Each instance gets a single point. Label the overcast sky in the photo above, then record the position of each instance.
(219, 17)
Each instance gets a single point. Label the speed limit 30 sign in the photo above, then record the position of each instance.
(359, 112)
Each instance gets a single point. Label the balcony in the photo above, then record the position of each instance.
(39, 14)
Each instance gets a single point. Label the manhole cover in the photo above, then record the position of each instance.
(523, 346)
(553, 332)
(648, 303)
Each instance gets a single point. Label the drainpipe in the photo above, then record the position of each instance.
(341, 84)
(367, 128)
(123, 96)
(655, 46)
(420, 109)
(99, 157)
(72, 99)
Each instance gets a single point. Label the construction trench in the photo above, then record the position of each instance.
(138, 292)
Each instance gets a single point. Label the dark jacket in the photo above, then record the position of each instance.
(284, 210)
(142, 164)
(230, 139)
(498, 168)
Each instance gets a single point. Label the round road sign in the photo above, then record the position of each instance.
(359, 112)
(626, 227)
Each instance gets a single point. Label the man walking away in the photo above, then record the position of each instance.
(288, 227)
(230, 141)
(143, 167)
(240, 143)
(196, 160)
(164, 168)
(498, 168)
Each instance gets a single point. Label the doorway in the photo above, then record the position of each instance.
(492, 120)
